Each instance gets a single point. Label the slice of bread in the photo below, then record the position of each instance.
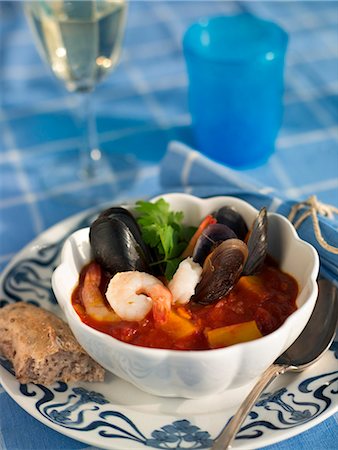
(42, 347)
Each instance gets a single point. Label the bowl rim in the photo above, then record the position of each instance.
(68, 308)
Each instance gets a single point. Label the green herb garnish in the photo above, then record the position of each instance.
(163, 231)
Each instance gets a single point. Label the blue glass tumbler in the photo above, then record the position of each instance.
(235, 68)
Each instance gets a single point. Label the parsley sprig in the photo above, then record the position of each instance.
(164, 231)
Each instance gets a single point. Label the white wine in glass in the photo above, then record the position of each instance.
(81, 42)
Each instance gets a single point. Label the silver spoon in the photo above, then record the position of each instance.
(315, 339)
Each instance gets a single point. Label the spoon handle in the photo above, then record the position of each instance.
(228, 434)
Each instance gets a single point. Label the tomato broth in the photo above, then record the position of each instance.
(256, 306)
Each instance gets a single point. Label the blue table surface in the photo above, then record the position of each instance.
(141, 107)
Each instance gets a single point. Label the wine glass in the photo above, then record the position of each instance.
(81, 42)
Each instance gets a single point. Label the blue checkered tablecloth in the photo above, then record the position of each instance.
(140, 108)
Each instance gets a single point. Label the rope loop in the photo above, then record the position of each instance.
(313, 207)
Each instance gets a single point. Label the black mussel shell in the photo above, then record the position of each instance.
(221, 270)
(227, 215)
(116, 242)
(257, 244)
(212, 236)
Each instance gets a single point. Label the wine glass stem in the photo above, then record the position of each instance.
(90, 153)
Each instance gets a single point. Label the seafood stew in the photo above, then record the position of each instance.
(218, 287)
(256, 306)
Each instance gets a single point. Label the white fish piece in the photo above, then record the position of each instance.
(185, 279)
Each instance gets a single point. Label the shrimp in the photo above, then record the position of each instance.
(185, 279)
(92, 297)
(133, 294)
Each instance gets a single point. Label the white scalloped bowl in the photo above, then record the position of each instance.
(193, 374)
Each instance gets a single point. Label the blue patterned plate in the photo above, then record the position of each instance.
(116, 415)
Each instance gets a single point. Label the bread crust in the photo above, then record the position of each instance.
(42, 348)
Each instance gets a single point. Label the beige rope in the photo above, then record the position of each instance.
(313, 208)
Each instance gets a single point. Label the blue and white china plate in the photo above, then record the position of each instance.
(116, 415)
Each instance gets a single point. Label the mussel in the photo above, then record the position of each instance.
(117, 244)
(221, 270)
(256, 237)
(257, 244)
(225, 256)
(210, 238)
(228, 215)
